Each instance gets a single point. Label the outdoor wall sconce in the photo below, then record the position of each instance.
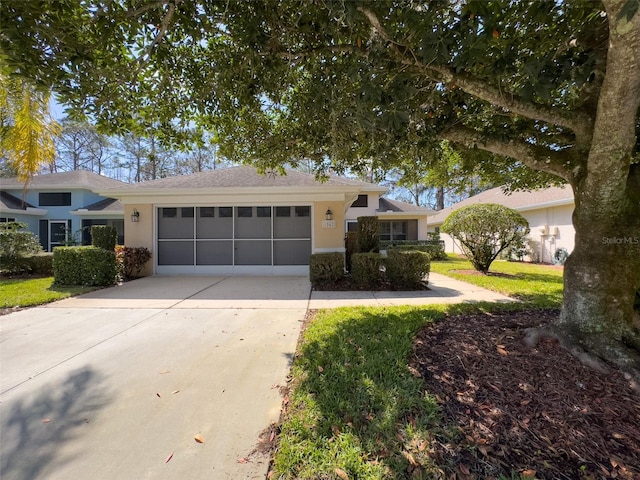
(135, 216)
(328, 214)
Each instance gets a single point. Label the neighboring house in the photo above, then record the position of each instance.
(61, 207)
(235, 220)
(548, 212)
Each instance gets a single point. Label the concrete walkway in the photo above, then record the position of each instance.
(116, 383)
(442, 289)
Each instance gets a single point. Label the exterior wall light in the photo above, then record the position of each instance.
(328, 214)
(135, 216)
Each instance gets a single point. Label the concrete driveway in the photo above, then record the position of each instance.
(117, 383)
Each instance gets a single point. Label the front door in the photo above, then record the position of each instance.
(57, 233)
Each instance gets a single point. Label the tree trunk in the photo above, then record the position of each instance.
(440, 198)
(602, 274)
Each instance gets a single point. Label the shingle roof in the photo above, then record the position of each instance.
(9, 202)
(106, 205)
(74, 179)
(387, 204)
(520, 201)
(238, 177)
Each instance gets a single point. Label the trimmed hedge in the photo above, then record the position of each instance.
(351, 247)
(368, 234)
(365, 269)
(41, 264)
(104, 236)
(435, 249)
(407, 268)
(326, 267)
(88, 266)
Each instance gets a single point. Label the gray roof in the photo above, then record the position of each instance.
(107, 205)
(74, 179)
(520, 201)
(241, 177)
(396, 206)
(9, 202)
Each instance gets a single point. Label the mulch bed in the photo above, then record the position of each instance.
(510, 409)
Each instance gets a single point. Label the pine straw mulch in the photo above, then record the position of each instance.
(535, 412)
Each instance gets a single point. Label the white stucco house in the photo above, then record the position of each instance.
(548, 212)
(238, 221)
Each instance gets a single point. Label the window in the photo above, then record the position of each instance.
(352, 226)
(245, 212)
(283, 211)
(225, 212)
(58, 199)
(263, 212)
(169, 212)
(7, 220)
(207, 212)
(186, 212)
(362, 201)
(303, 211)
(390, 230)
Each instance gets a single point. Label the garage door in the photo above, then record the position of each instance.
(240, 239)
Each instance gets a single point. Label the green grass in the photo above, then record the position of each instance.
(354, 403)
(27, 292)
(539, 285)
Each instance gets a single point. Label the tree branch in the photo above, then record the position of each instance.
(539, 158)
(162, 30)
(578, 121)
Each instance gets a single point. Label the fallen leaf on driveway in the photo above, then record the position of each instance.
(243, 460)
(46, 420)
(169, 457)
(164, 371)
(175, 391)
(159, 396)
(199, 438)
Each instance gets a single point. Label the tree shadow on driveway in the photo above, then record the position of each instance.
(36, 427)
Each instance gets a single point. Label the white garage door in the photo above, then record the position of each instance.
(226, 240)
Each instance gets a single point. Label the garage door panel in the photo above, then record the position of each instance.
(219, 252)
(291, 252)
(175, 253)
(210, 223)
(253, 252)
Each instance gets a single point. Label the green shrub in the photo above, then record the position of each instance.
(368, 234)
(326, 268)
(407, 268)
(131, 260)
(87, 266)
(40, 264)
(484, 230)
(351, 247)
(434, 249)
(104, 236)
(365, 269)
(16, 243)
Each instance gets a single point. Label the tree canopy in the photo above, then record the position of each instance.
(538, 91)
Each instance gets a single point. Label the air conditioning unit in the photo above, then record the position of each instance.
(544, 230)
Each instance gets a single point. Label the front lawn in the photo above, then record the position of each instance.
(539, 285)
(450, 391)
(30, 291)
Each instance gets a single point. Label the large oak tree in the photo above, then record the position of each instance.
(550, 90)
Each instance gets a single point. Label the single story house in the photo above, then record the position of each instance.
(59, 206)
(549, 213)
(237, 221)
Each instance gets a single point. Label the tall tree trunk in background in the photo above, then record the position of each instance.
(440, 198)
